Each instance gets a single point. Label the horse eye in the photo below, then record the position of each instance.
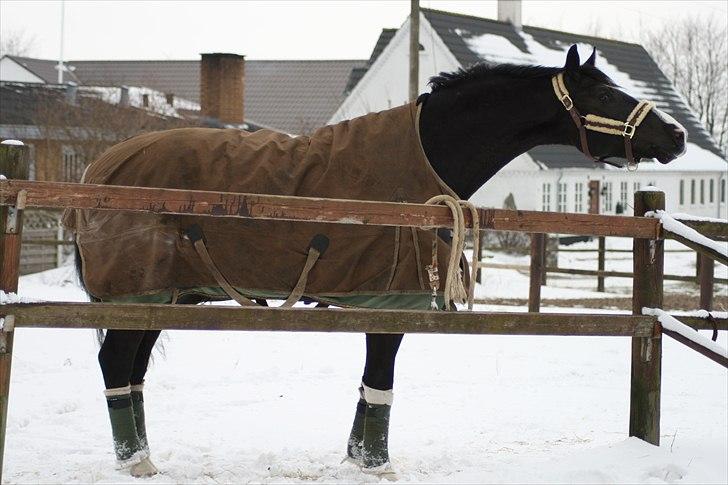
(605, 97)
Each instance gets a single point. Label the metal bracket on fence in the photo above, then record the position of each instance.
(11, 226)
(7, 325)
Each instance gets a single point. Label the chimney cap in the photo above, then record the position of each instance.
(222, 54)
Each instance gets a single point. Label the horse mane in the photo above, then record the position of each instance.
(485, 70)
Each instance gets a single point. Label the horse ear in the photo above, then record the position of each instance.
(592, 58)
(572, 59)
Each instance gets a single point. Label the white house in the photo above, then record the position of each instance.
(551, 178)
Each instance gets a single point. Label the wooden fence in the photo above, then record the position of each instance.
(705, 276)
(17, 194)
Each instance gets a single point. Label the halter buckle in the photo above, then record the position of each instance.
(567, 102)
(629, 130)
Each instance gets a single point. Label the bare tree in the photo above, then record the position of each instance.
(693, 55)
(85, 124)
(16, 43)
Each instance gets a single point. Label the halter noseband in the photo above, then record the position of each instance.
(625, 129)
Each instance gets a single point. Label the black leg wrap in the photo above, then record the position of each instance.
(375, 450)
(137, 402)
(356, 438)
(121, 415)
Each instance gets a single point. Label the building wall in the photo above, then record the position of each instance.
(541, 190)
(386, 84)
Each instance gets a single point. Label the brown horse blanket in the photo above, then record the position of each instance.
(375, 157)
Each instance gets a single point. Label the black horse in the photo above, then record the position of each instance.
(472, 124)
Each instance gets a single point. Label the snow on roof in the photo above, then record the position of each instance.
(496, 48)
(156, 100)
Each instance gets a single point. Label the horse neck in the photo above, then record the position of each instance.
(471, 130)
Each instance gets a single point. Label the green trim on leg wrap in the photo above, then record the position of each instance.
(356, 438)
(123, 428)
(137, 403)
(375, 450)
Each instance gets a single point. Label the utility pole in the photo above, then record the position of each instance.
(414, 51)
(60, 58)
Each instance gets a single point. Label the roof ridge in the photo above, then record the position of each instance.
(473, 17)
(198, 60)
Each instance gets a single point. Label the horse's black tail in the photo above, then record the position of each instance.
(78, 263)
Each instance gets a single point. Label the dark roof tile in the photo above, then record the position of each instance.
(291, 96)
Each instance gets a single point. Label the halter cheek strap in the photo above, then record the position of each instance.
(626, 129)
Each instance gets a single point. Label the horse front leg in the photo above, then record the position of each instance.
(368, 441)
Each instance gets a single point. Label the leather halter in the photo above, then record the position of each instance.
(626, 129)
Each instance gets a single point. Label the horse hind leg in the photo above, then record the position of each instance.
(117, 357)
(368, 441)
(136, 381)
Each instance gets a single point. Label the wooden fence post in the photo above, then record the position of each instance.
(13, 165)
(544, 257)
(707, 266)
(644, 412)
(479, 257)
(538, 242)
(697, 267)
(600, 262)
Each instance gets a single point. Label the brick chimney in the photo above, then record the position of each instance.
(221, 87)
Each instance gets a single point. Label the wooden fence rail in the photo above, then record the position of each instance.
(593, 272)
(310, 209)
(217, 317)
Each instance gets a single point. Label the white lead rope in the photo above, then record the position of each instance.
(454, 288)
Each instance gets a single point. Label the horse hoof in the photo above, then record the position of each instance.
(382, 471)
(144, 468)
(353, 461)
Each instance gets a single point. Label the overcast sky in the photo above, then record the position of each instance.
(294, 29)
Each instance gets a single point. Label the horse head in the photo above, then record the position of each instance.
(604, 111)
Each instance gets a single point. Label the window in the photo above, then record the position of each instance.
(623, 194)
(578, 197)
(702, 191)
(711, 192)
(682, 192)
(562, 197)
(692, 191)
(73, 165)
(636, 186)
(546, 197)
(608, 197)
(722, 191)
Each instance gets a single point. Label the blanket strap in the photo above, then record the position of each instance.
(194, 234)
(316, 248)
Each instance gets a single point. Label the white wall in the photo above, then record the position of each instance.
(14, 72)
(386, 84)
(528, 189)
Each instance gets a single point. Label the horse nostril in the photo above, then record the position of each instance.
(679, 135)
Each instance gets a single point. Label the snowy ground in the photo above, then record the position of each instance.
(235, 407)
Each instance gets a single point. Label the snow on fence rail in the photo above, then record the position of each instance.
(690, 237)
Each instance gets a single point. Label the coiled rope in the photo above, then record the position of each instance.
(454, 289)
